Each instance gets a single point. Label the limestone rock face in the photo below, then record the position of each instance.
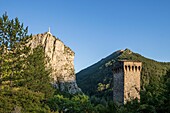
(61, 60)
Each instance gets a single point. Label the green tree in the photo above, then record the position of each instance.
(13, 38)
(167, 93)
(37, 76)
(22, 99)
(75, 104)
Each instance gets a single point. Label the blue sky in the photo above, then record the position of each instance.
(93, 29)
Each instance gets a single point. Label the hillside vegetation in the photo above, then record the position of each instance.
(96, 80)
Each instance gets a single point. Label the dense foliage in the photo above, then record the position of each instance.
(36, 75)
(13, 37)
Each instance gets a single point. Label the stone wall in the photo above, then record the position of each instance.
(126, 81)
(118, 86)
(132, 72)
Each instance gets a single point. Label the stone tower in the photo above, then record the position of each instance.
(126, 81)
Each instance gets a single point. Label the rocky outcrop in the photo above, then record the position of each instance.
(61, 60)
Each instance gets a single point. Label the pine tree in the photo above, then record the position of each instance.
(37, 76)
(13, 37)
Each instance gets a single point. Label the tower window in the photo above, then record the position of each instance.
(132, 68)
(136, 68)
(139, 68)
(126, 67)
(129, 67)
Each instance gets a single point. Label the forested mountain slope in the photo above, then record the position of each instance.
(97, 79)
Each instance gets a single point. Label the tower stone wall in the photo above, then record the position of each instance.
(126, 81)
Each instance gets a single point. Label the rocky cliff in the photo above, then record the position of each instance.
(61, 60)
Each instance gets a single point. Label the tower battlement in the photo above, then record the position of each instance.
(126, 80)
